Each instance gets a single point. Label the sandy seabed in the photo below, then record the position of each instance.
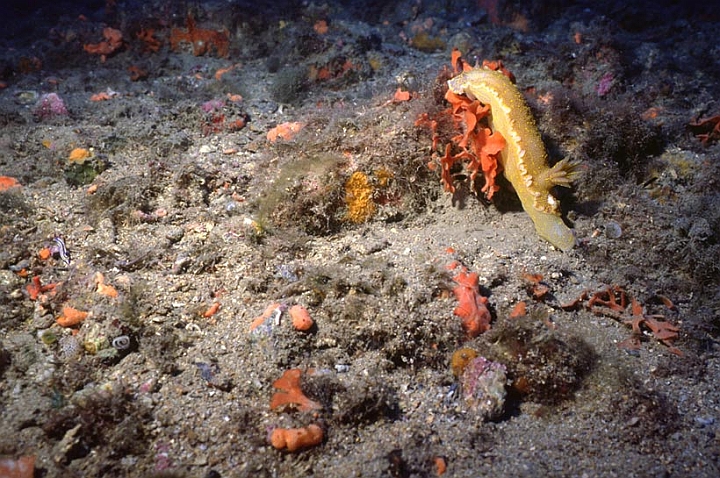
(148, 154)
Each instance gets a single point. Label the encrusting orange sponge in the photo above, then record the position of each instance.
(301, 319)
(71, 316)
(79, 155)
(290, 393)
(359, 198)
(7, 183)
(294, 439)
(286, 131)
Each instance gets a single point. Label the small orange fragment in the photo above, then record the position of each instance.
(455, 60)
(401, 95)
(34, 288)
(321, 27)
(440, 465)
(539, 291)
(520, 310)
(71, 316)
(286, 131)
(104, 289)
(666, 301)
(294, 439)
(212, 310)
(44, 254)
(269, 311)
(137, 73)
(532, 278)
(7, 183)
(79, 155)
(651, 113)
(220, 72)
(290, 393)
(107, 290)
(301, 319)
(23, 467)
(102, 96)
(472, 306)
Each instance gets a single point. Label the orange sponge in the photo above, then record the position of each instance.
(294, 439)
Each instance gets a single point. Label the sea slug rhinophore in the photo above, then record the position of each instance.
(524, 159)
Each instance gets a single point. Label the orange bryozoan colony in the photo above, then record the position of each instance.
(202, 41)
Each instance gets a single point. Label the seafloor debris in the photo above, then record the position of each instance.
(285, 131)
(267, 318)
(35, 288)
(544, 365)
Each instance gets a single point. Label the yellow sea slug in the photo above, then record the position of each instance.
(524, 159)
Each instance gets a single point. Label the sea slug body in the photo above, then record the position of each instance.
(524, 159)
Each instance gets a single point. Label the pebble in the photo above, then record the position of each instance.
(174, 234)
(700, 230)
(26, 97)
(704, 421)
(41, 319)
(613, 230)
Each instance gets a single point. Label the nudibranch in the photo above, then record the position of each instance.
(524, 160)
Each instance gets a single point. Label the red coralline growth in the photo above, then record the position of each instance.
(202, 41)
(706, 129)
(150, 42)
(472, 307)
(613, 302)
(113, 41)
(35, 288)
(477, 147)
